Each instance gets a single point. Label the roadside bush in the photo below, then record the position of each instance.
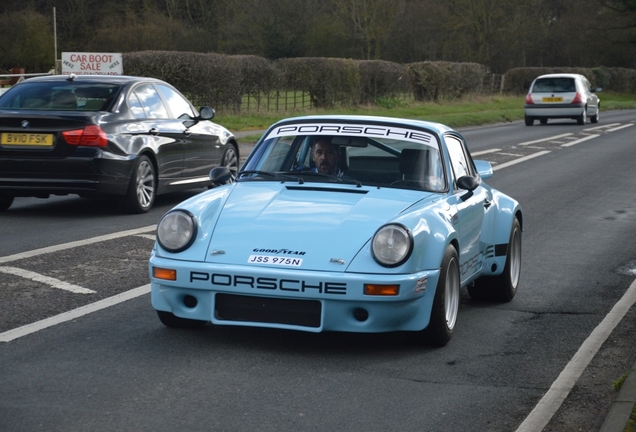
(622, 80)
(434, 81)
(328, 81)
(381, 81)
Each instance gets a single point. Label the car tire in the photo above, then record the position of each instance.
(230, 160)
(446, 302)
(582, 119)
(5, 202)
(595, 118)
(502, 288)
(543, 121)
(143, 187)
(529, 121)
(171, 320)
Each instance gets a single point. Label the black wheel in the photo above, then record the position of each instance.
(582, 119)
(445, 304)
(596, 117)
(543, 121)
(502, 288)
(231, 160)
(5, 202)
(143, 187)
(170, 320)
(529, 121)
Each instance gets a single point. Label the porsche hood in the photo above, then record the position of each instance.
(312, 224)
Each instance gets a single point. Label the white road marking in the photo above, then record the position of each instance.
(71, 245)
(148, 236)
(485, 152)
(54, 283)
(543, 412)
(601, 127)
(578, 141)
(28, 329)
(545, 139)
(620, 127)
(523, 159)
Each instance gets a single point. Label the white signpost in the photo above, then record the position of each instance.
(83, 63)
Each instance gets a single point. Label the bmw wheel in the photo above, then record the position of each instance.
(143, 188)
(171, 320)
(231, 161)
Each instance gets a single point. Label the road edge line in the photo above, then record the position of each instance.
(549, 404)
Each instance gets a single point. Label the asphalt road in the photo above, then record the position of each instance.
(118, 368)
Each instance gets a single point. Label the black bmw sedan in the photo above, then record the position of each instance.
(132, 138)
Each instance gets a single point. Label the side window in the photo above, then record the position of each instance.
(151, 102)
(135, 106)
(177, 104)
(459, 161)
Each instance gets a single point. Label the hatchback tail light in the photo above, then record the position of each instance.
(577, 99)
(529, 100)
(91, 135)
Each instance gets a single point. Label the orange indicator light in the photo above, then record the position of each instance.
(381, 290)
(167, 274)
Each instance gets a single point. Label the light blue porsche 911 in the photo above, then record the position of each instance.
(341, 223)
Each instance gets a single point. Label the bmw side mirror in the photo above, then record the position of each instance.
(206, 113)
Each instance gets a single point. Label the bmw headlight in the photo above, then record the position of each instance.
(176, 230)
(392, 245)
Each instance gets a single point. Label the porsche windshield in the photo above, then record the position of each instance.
(374, 155)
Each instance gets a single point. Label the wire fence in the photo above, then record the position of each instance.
(295, 100)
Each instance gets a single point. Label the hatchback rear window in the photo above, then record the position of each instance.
(56, 96)
(554, 85)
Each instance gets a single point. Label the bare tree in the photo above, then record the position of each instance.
(371, 21)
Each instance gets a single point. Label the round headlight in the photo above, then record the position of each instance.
(176, 230)
(392, 245)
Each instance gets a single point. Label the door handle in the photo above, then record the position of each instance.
(154, 131)
(487, 203)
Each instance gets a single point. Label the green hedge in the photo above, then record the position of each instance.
(433, 81)
(222, 81)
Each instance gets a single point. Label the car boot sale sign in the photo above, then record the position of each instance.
(82, 63)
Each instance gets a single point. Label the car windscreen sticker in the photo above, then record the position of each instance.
(362, 130)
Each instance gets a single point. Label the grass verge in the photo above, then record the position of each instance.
(469, 111)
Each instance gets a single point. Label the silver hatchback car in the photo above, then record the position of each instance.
(562, 96)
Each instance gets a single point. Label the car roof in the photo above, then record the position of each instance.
(560, 75)
(433, 126)
(114, 79)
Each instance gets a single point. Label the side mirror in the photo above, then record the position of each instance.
(468, 183)
(206, 113)
(484, 168)
(220, 175)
